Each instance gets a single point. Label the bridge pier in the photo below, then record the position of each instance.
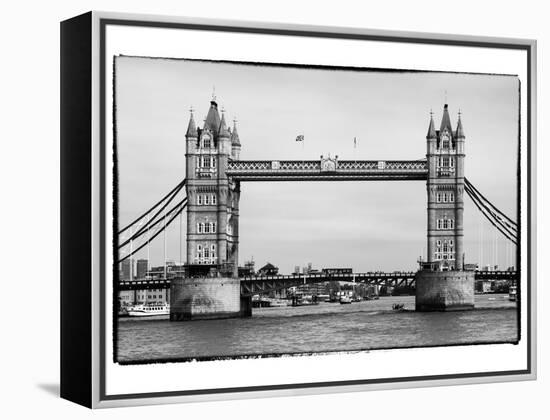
(207, 298)
(444, 290)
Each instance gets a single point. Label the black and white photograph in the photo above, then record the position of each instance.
(276, 210)
(254, 209)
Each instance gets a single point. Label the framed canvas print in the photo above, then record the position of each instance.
(253, 209)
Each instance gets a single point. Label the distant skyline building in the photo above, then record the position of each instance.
(126, 269)
(141, 269)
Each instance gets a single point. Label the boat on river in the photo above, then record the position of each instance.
(513, 294)
(149, 309)
(345, 299)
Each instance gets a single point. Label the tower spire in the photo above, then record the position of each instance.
(446, 120)
(459, 128)
(235, 141)
(224, 132)
(192, 127)
(212, 121)
(431, 129)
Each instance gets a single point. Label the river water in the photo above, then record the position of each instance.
(326, 327)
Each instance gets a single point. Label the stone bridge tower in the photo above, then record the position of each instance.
(445, 160)
(442, 284)
(210, 288)
(213, 199)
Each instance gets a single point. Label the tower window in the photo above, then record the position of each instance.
(199, 251)
(213, 199)
(206, 200)
(445, 223)
(199, 199)
(451, 197)
(206, 142)
(438, 197)
(444, 197)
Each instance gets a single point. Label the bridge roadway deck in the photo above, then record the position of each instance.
(263, 284)
(317, 170)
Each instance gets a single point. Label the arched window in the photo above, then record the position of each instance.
(199, 199)
(213, 227)
(444, 197)
(199, 251)
(206, 200)
(213, 199)
(451, 224)
(207, 227)
(213, 251)
(206, 142)
(438, 197)
(206, 253)
(212, 162)
(451, 197)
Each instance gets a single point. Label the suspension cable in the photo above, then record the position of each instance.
(174, 191)
(490, 215)
(182, 206)
(151, 225)
(506, 233)
(467, 182)
(497, 216)
(510, 229)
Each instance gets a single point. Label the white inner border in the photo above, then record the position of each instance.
(161, 42)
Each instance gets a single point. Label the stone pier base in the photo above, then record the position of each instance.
(207, 298)
(444, 290)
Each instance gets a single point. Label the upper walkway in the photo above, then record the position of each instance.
(327, 169)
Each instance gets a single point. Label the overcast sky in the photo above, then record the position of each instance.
(360, 224)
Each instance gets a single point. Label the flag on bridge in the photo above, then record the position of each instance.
(300, 137)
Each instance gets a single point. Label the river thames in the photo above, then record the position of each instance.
(327, 327)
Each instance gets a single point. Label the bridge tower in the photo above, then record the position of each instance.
(210, 288)
(445, 159)
(442, 284)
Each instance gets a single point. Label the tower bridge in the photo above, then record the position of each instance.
(214, 171)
